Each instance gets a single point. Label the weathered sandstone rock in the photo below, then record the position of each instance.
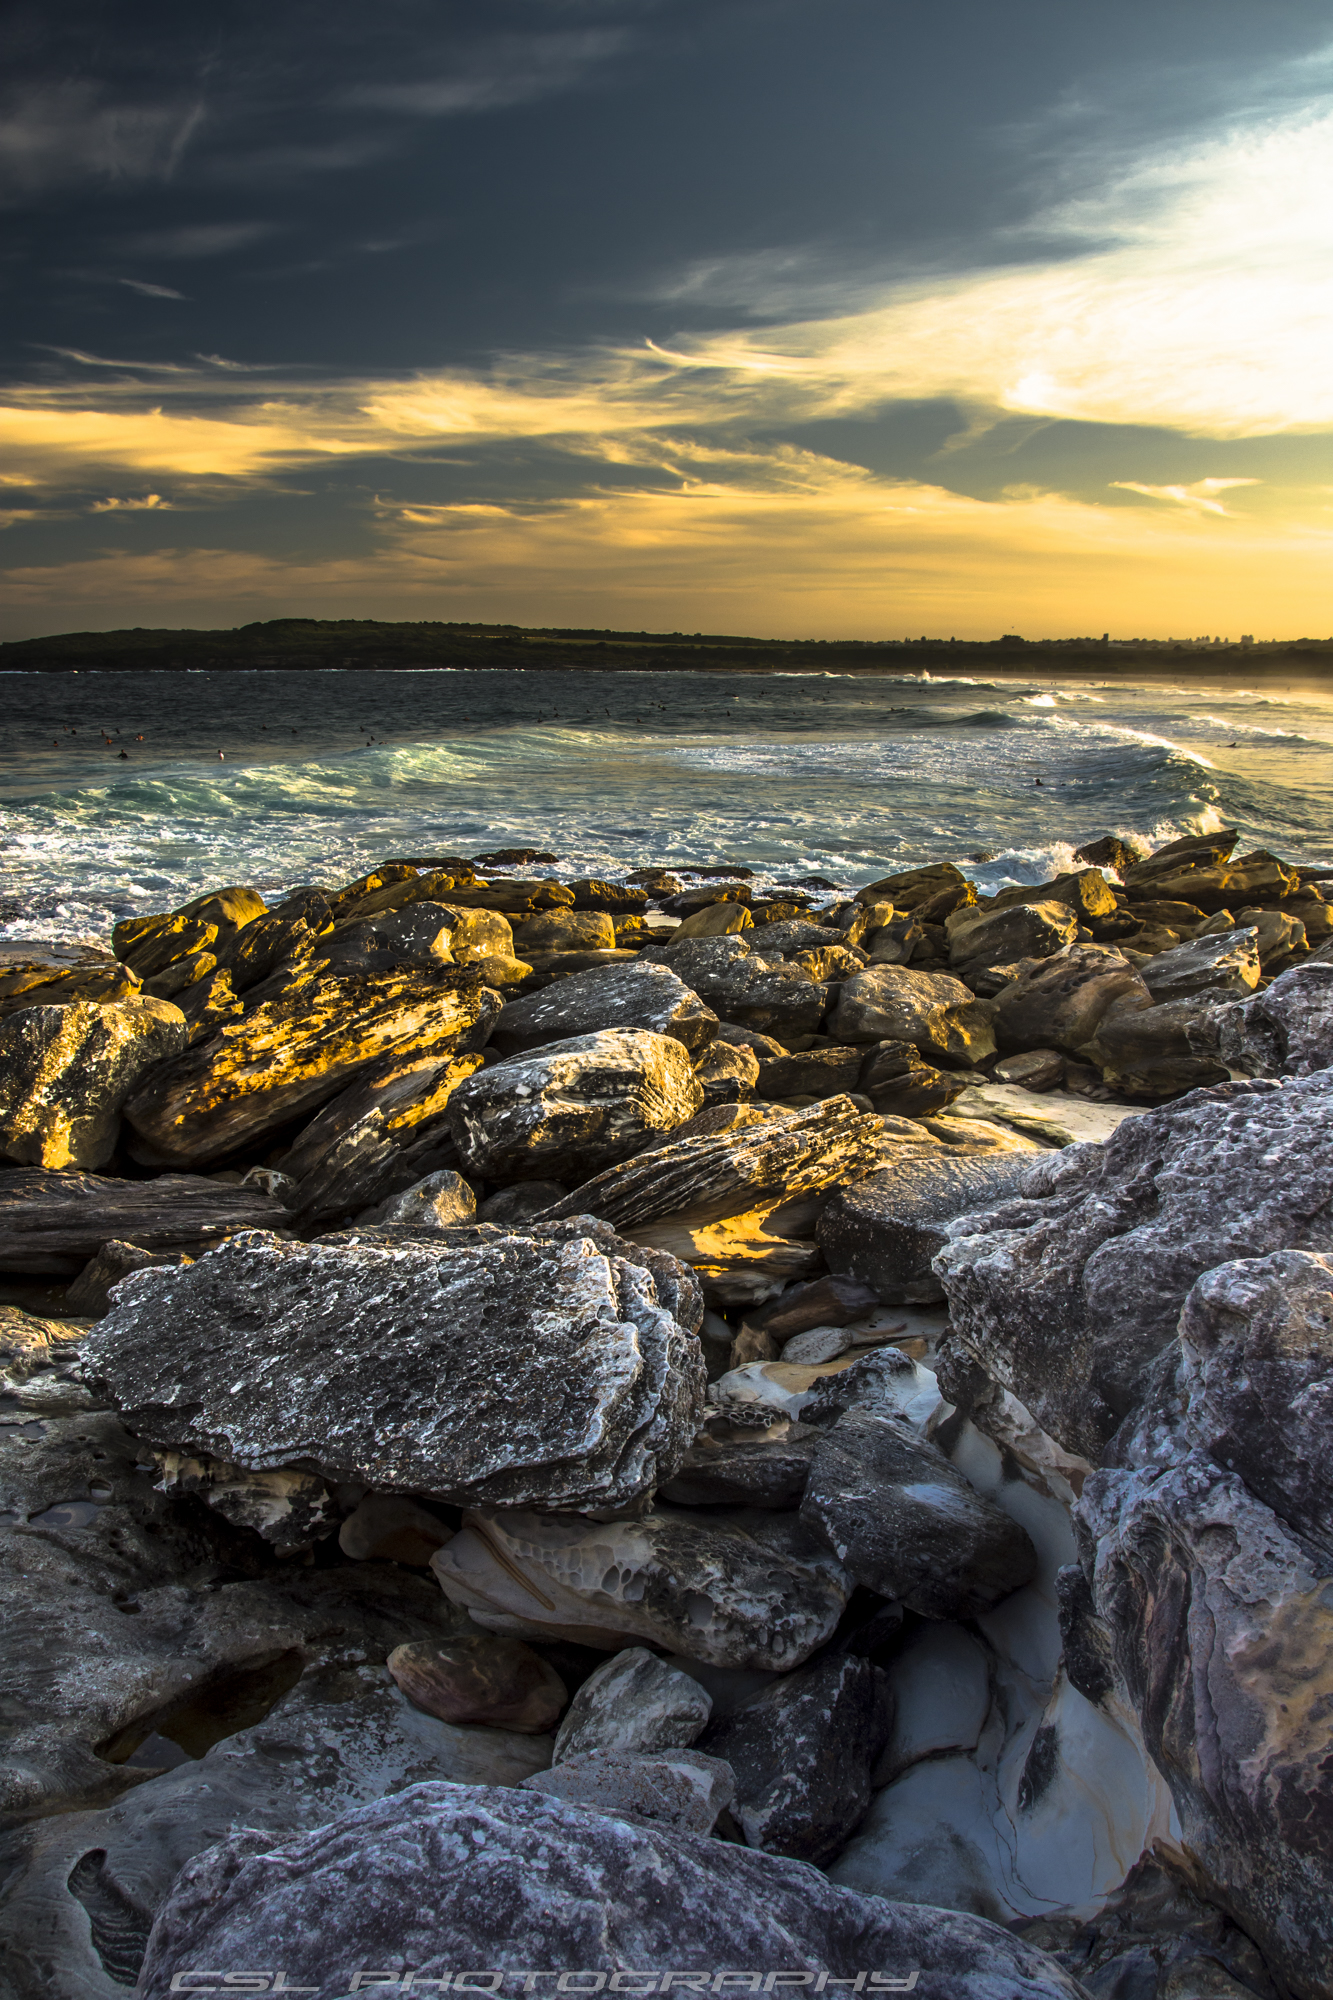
(906, 1524)
(53, 1223)
(377, 1137)
(757, 1590)
(567, 930)
(38, 981)
(783, 1155)
(388, 1527)
(1287, 1030)
(937, 1014)
(635, 996)
(1066, 1294)
(581, 1103)
(513, 1371)
(901, 1084)
(480, 1678)
(448, 1876)
(997, 936)
(1223, 966)
(290, 1510)
(886, 1230)
(634, 1702)
(725, 1074)
(90, 1294)
(292, 1051)
(803, 1754)
(742, 987)
(685, 1788)
(1058, 1002)
(813, 1073)
(766, 1468)
(1159, 1051)
(66, 1071)
(439, 1201)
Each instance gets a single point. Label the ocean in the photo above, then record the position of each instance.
(845, 776)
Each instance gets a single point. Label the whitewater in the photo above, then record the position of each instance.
(847, 777)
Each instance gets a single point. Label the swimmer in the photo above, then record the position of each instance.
(222, 760)
(125, 756)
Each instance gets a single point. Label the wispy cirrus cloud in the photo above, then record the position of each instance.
(67, 132)
(199, 239)
(496, 73)
(1200, 496)
(150, 291)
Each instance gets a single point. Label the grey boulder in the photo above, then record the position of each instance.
(803, 1753)
(765, 1468)
(886, 1230)
(445, 1876)
(1059, 1002)
(608, 996)
(384, 1132)
(580, 1104)
(936, 1014)
(1066, 1294)
(438, 1201)
(681, 1788)
(741, 986)
(1223, 966)
(998, 937)
(66, 1071)
(1287, 1030)
(510, 1371)
(907, 1524)
(635, 1702)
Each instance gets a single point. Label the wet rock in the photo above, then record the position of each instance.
(446, 1876)
(907, 1524)
(633, 1702)
(51, 1223)
(717, 1175)
(585, 1102)
(765, 1468)
(1059, 1002)
(378, 1137)
(81, 1889)
(996, 936)
(803, 1753)
(295, 1050)
(1068, 1293)
(677, 1788)
(936, 1014)
(886, 1230)
(727, 1075)
(66, 1071)
(1224, 966)
(901, 1084)
(753, 1591)
(885, 1381)
(1287, 1030)
(740, 986)
(634, 996)
(90, 1294)
(1110, 851)
(388, 1527)
(480, 1678)
(509, 1371)
(437, 1202)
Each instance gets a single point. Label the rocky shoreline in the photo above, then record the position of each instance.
(642, 1424)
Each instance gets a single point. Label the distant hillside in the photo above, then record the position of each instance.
(322, 643)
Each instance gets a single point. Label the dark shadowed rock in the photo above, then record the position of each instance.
(1223, 966)
(759, 1469)
(65, 1073)
(613, 996)
(731, 977)
(726, 1074)
(825, 1301)
(999, 936)
(1058, 1002)
(815, 1073)
(383, 1133)
(715, 1175)
(634, 1702)
(907, 1524)
(53, 1223)
(680, 1788)
(936, 1014)
(479, 1677)
(1067, 1294)
(803, 1754)
(296, 1048)
(510, 1371)
(443, 1877)
(90, 1293)
(1287, 1030)
(438, 1201)
(901, 1084)
(577, 1104)
(1159, 1051)
(886, 1231)
(745, 1590)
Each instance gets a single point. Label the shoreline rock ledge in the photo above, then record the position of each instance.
(653, 1423)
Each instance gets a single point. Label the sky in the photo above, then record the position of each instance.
(800, 318)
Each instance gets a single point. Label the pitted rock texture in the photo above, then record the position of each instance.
(299, 1042)
(907, 1524)
(803, 1754)
(52, 1224)
(1068, 1293)
(65, 1072)
(612, 996)
(377, 1137)
(578, 1104)
(80, 1890)
(511, 1371)
(442, 1877)
(1287, 1030)
(635, 1702)
(732, 977)
(936, 1014)
(1058, 1002)
(751, 1590)
(728, 1173)
(886, 1230)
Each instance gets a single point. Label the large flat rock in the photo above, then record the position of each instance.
(513, 1371)
(52, 1223)
(887, 1229)
(611, 996)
